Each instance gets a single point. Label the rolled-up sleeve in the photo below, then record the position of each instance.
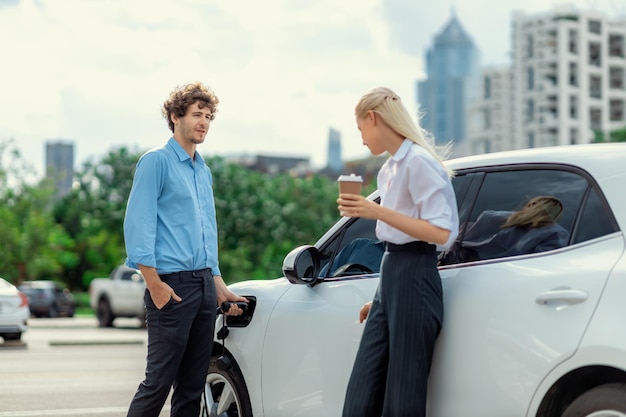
(430, 197)
(140, 221)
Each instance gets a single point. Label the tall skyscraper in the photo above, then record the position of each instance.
(451, 65)
(335, 160)
(60, 166)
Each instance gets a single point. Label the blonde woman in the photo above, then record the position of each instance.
(417, 216)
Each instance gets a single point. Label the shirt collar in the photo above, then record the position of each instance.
(180, 152)
(402, 150)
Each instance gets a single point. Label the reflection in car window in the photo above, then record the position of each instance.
(509, 190)
(504, 192)
(533, 228)
(498, 195)
(360, 256)
(358, 228)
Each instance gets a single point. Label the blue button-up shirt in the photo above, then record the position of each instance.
(170, 217)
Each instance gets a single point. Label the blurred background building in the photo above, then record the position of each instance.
(566, 83)
(334, 158)
(60, 166)
(451, 67)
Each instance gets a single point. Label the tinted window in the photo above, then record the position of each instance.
(596, 219)
(504, 193)
(510, 190)
(357, 244)
(128, 275)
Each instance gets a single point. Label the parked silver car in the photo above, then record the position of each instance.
(530, 329)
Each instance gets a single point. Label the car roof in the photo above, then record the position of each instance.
(600, 159)
(39, 284)
(6, 288)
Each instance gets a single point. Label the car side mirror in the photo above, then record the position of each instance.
(302, 265)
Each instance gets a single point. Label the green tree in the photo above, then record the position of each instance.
(261, 217)
(93, 214)
(32, 245)
(618, 135)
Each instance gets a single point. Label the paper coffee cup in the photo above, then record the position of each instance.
(350, 184)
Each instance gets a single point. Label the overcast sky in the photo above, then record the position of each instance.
(95, 72)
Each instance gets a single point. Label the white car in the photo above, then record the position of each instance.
(14, 311)
(530, 334)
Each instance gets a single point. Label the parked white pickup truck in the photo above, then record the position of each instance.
(119, 295)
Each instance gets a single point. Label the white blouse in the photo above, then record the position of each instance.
(414, 183)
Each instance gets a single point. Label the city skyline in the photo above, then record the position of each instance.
(283, 80)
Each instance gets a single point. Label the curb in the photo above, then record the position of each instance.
(94, 342)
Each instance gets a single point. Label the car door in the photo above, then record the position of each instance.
(510, 320)
(317, 327)
(127, 292)
(317, 330)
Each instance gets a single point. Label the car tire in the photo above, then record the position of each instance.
(104, 313)
(12, 336)
(609, 400)
(225, 393)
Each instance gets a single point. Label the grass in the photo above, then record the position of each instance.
(82, 304)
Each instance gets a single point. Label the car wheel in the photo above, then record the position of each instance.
(143, 319)
(604, 401)
(104, 313)
(225, 393)
(12, 336)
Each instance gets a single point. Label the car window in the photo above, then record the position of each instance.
(355, 243)
(128, 275)
(524, 211)
(355, 250)
(596, 219)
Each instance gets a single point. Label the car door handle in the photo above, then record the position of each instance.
(562, 296)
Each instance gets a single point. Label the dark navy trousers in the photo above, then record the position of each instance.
(390, 373)
(180, 337)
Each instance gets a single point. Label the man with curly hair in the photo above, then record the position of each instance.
(170, 232)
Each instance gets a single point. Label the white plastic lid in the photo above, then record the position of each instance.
(350, 178)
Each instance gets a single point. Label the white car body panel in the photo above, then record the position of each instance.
(604, 341)
(13, 315)
(318, 361)
(498, 350)
(248, 352)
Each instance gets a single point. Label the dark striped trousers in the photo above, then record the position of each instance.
(390, 373)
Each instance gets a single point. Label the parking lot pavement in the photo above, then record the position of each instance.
(64, 331)
(71, 367)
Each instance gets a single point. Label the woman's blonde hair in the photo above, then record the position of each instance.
(384, 102)
(537, 212)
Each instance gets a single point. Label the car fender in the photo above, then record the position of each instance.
(248, 355)
(604, 338)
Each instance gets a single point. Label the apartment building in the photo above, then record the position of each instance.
(489, 117)
(568, 79)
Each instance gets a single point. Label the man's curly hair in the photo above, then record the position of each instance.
(184, 96)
